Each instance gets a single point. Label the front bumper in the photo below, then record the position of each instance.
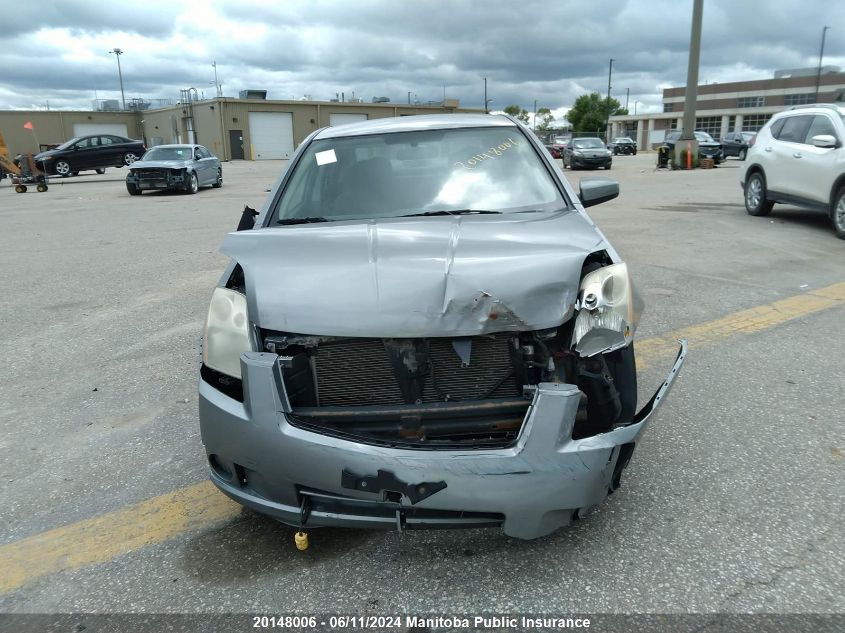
(164, 179)
(531, 488)
(583, 161)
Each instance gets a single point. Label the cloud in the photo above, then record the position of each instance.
(548, 51)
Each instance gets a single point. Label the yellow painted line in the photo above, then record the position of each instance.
(102, 538)
(748, 321)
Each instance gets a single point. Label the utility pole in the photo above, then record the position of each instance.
(118, 52)
(627, 94)
(821, 55)
(486, 109)
(691, 96)
(409, 97)
(607, 122)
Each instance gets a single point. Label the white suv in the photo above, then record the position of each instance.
(799, 158)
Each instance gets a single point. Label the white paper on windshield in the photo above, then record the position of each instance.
(324, 158)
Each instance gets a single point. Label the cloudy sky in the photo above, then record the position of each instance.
(550, 50)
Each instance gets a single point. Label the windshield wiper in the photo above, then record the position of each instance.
(288, 221)
(445, 212)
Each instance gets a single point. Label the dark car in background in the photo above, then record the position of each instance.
(623, 145)
(588, 152)
(175, 167)
(96, 151)
(707, 147)
(737, 144)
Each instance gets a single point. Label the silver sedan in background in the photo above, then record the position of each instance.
(175, 167)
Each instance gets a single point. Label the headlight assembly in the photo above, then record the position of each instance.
(608, 311)
(226, 334)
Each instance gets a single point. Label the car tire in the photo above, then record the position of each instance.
(193, 184)
(742, 154)
(219, 182)
(62, 168)
(133, 189)
(129, 158)
(754, 191)
(837, 213)
(100, 170)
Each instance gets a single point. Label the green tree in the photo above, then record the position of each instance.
(589, 112)
(519, 113)
(546, 119)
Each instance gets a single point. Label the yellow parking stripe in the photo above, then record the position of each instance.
(155, 520)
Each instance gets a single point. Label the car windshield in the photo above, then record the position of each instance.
(623, 139)
(704, 136)
(169, 153)
(466, 170)
(67, 144)
(587, 143)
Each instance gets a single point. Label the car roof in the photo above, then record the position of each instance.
(414, 124)
(177, 145)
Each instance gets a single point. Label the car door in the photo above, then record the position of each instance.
(106, 152)
(779, 154)
(204, 167)
(813, 169)
(82, 155)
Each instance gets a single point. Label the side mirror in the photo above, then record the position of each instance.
(593, 191)
(247, 219)
(824, 140)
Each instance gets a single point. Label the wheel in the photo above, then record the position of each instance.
(742, 154)
(219, 182)
(837, 213)
(608, 166)
(193, 184)
(100, 170)
(132, 188)
(62, 168)
(20, 188)
(41, 187)
(129, 158)
(755, 195)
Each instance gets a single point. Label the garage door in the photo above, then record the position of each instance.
(85, 129)
(343, 119)
(271, 135)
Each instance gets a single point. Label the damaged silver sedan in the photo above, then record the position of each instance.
(423, 328)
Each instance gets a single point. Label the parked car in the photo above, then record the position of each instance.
(587, 152)
(737, 144)
(91, 152)
(423, 328)
(556, 149)
(798, 158)
(707, 147)
(175, 167)
(623, 145)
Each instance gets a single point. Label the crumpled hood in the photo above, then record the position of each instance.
(415, 277)
(167, 164)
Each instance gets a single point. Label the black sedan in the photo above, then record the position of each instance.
(623, 145)
(587, 152)
(91, 152)
(737, 144)
(707, 147)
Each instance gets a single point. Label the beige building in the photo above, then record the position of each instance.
(251, 129)
(732, 107)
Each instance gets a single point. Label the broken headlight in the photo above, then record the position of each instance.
(608, 311)
(226, 335)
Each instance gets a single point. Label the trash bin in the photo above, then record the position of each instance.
(663, 157)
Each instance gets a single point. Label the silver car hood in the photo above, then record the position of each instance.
(167, 164)
(415, 277)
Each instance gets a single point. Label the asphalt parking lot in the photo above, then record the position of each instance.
(733, 501)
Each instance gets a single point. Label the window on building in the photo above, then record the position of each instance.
(667, 107)
(673, 124)
(753, 122)
(710, 124)
(802, 99)
(750, 102)
(731, 122)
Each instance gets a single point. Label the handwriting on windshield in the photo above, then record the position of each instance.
(491, 154)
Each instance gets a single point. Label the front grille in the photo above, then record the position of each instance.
(359, 372)
(152, 174)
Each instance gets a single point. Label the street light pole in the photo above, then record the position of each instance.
(821, 55)
(691, 96)
(627, 95)
(607, 123)
(485, 97)
(118, 52)
(635, 107)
